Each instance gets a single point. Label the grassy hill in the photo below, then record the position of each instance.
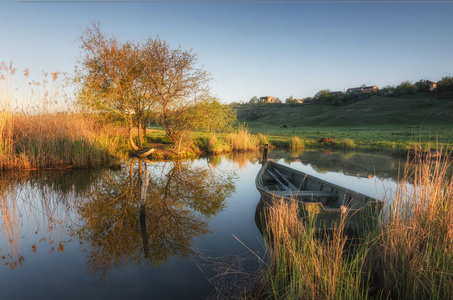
(379, 122)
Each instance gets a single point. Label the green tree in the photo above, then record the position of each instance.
(205, 115)
(422, 86)
(177, 86)
(445, 87)
(405, 88)
(387, 90)
(290, 100)
(254, 100)
(324, 95)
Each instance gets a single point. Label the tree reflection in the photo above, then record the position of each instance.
(124, 225)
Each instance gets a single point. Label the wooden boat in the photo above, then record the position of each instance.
(329, 202)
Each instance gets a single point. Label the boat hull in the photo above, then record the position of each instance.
(323, 203)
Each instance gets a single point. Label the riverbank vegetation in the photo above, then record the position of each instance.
(36, 131)
(409, 256)
(120, 89)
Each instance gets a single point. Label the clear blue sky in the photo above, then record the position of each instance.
(251, 49)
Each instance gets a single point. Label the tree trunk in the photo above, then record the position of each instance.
(144, 124)
(131, 139)
(140, 132)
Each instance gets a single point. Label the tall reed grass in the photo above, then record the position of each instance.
(304, 266)
(296, 143)
(414, 256)
(40, 128)
(240, 141)
(243, 140)
(408, 256)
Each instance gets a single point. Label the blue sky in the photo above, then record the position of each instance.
(251, 49)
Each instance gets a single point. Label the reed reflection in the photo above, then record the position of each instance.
(37, 207)
(151, 213)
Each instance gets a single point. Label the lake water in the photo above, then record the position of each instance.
(95, 234)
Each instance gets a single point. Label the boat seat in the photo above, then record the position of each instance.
(275, 187)
(315, 194)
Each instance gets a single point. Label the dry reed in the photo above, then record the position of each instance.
(243, 140)
(39, 129)
(414, 256)
(296, 143)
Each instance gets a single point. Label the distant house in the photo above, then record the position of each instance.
(267, 99)
(297, 100)
(432, 85)
(362, 89)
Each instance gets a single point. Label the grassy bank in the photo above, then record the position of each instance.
(58, 140)
(37, 132)
(376, 123)
(410, 256)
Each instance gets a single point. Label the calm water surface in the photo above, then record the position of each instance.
(100, 234)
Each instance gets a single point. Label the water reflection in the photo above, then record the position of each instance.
(122, 224)
(48, 218)
(38, 207)
(353, 163)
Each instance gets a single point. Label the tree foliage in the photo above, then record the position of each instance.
(290, 100)
(323, 95)
(178, 87)
(445, 87)
(405, 88)
(147, 81)
(254, 100)
(109, 78)
(422, 86)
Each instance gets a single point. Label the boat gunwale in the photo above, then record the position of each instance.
(366, 200)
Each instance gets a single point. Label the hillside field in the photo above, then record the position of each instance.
(379, 122)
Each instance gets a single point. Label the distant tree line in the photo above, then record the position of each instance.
(444, 89)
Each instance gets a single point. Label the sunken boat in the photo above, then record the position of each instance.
(328, 203)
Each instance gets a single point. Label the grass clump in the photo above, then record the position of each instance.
(303, 266)
(348, 144)
(242, 140)
(60, 140)
(414, 257)
(216, 145)
(296, 143)
(263, 140)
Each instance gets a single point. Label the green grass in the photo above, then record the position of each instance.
(390, 123)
